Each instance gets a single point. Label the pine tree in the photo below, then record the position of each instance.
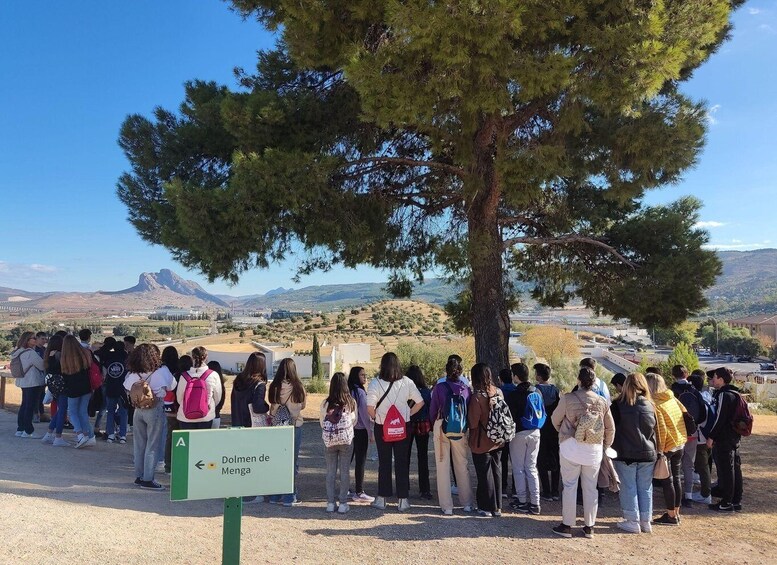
(500, 142)
(316, 363)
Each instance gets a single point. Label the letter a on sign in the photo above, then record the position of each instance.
(180, 442)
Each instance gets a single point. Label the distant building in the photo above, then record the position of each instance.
(758, 325)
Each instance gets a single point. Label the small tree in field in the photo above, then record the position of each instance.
(317, 370)
(682, 354)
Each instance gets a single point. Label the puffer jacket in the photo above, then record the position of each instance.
(32, 365)
(572, 406)
(669, 420)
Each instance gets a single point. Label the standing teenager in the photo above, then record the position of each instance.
(32, 383)
(337, 418)
(197, 411)
(389, 393)
(485, 453)
(248, 406)
(362, 432)
(74, 364)
(420, 426)
(548, 464)
(56, 384)
(287, 400)
(585, 430)
(145, 364)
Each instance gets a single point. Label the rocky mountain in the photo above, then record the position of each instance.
(166, 279)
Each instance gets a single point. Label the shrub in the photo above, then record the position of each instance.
(317, 386)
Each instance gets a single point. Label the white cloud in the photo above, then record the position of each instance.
(711, 111)
(708, 224)
(767, 28)
(21, 274)
(735, 246)
(736, 241)
(753, 11)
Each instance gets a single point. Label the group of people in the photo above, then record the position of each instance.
(554, 442)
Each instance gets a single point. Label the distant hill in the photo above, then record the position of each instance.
(747, 285)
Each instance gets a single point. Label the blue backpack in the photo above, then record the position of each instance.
(534, 414)
(454, 416)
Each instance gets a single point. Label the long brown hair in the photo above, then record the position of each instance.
(23, 339)
(482, 378)
(339, 394)
(255, 370)
(199, 355)
(55, 344)
(287, 371)
(634, 386)
(74, 357)
(390, 370)
(144, 358)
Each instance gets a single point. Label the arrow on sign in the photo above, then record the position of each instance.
(199, 465)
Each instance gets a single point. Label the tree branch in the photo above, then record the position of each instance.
(568, 239)
(452, 169)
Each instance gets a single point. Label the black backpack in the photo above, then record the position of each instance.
(693, 402)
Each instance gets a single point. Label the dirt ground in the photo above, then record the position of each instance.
(61, 505)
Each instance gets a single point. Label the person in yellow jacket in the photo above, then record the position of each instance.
(671, 439)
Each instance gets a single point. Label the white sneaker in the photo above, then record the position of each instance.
(82, 441)
(362, 497)
(160, 467)
(696, 479)
(468, 509)
(697, 497)
(48, 438)
(454, 489)
(403, 505)
(59, 442)
(630, 526)
(379, 503)
(646, 527)
(91, 441)
(330, 507)
(33, 435)
(343, 508)
(18, 434)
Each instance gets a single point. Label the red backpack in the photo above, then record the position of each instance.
(742, 422)
(394, 425)
(196, 397)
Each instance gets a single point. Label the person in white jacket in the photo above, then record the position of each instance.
(32, 383)
(213, 384)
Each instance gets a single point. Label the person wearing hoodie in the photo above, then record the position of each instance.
(249, 408)
(723, 439)
(671, 441)
(114, 363)
(635, 445)
(32, 383)
(525, 446)
(212, 382)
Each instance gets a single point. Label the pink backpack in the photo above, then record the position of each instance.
(196, 397)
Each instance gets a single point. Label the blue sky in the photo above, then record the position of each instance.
(71, 72)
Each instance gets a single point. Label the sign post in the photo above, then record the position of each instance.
(230, 464)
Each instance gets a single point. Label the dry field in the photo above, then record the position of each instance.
(61, 505)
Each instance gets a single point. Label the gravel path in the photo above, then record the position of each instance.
(61, 505)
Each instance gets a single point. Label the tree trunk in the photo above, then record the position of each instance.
(490, 318)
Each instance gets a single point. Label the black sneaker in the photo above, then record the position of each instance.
(737, 507)
(563, 531)
(687, 503)
(667, 520)
(547, 497)
(720, 507)
(151, 485)
(138, 481)
(427, 496)
(67, 426)
(588, 531)
(520, 506)
(534, 509)
(556, 496)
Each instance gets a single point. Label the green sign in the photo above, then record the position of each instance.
(232, 463)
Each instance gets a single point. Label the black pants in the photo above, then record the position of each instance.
(489, 472)
(361, 443)
(729, 467)
(673, 488)
(30, 399)
(505, 458)
(422, 446)
(195, 425)
(172, 425)
(400, 451)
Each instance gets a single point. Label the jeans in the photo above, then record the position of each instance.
(702, 466)
(449, 455)
(689, 456)
(422, 447)
(78, 409)
(524, 448)
(338, 461)
(172, 425)
(58, 421)
(729, 467)
(147, 434)
(399, 449)
(636, 492)
(361, 442)
(160, 456)
(489, 472)
(30, 401)
(291, 497)
(115, 406)
(673, 493)
(588, 476)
